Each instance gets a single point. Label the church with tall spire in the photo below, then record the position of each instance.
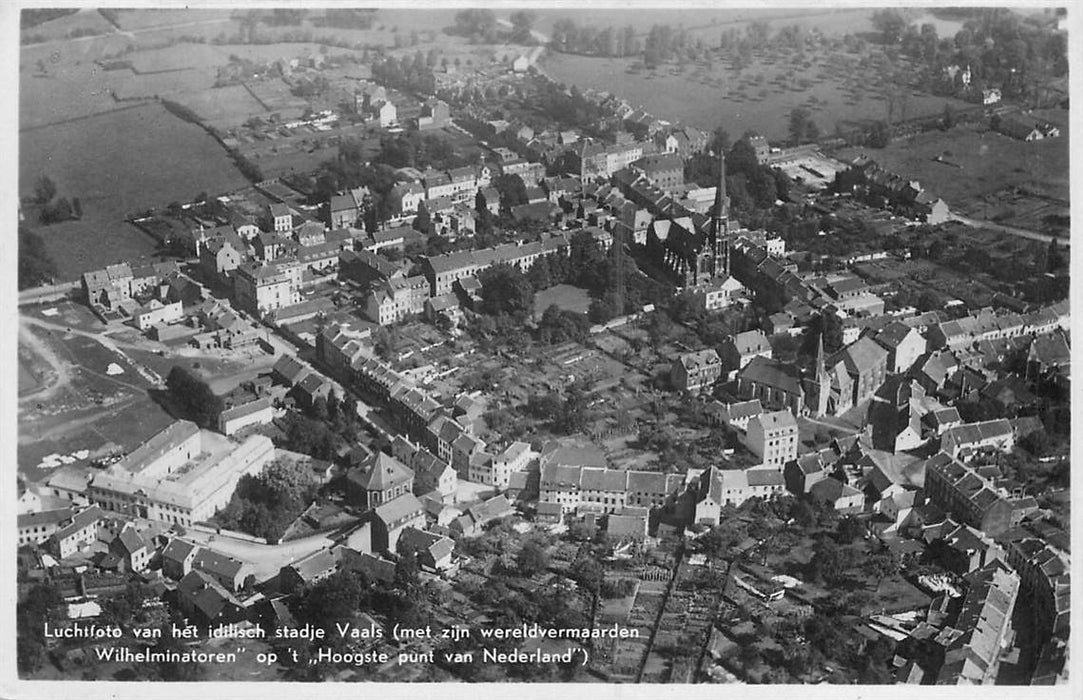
(692, 248)
(720, 223)
(829, 391)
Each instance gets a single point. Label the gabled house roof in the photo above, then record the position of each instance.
(129, 540)
(178, 550)
(695, 361)
(768, 372)
(315, 565)
(863, 355)
(892, 335)
(289, 368)
(750, 342)
(398, 509)
(218, 564)
(207, 595)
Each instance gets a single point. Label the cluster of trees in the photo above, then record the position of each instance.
(408, 72)
(338, 599)
(568, 37)
(285, 18)
(532, 558)
(309, 87)
(560, 326)
(749, 184)
(522, 24)
(266, 505)
(38, 607)
(566, 412)
(193, 397)
(323, 426)
(663, 43)
(54, 209)
(710, 327)
(353, 18)
(1000, 47)
(478, 25)
(567, 107)
(802, 127)
(505, 290)
(36, 266)
(415, 149)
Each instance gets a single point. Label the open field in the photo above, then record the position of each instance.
(223, 107)
(118, 164)
(131, 20)
(65, 91)
(84, 22)
(759, 97)
(80, 406)
(79, 246)
(988, 162)
(124, 162)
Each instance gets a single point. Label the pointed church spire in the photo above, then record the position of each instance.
(720, 220)
(820, 368)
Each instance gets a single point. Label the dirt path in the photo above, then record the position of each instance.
(60, 371)
(1011, 230)
(108, 343)
(30, 433)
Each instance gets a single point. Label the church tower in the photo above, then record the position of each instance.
(822, 381)
(720, 222)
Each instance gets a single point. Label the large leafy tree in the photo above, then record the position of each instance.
(194, 397)
(35, 265)
(505, 290)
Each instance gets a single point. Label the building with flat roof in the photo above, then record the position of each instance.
(178, 475)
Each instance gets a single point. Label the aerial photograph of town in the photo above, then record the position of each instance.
(541, 344)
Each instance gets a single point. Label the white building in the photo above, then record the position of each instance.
(773, 438)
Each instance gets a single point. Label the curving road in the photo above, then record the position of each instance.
(267, 559)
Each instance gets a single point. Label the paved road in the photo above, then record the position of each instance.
(267, 559)
(40, 295)
(1010, 230)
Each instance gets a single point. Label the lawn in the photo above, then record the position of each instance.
(565, 296)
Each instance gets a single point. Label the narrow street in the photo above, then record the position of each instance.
(267, 559)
